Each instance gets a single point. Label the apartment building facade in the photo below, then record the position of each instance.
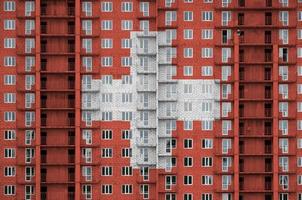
(151, 99)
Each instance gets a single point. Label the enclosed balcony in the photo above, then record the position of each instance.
(58, 9)
(50, 119)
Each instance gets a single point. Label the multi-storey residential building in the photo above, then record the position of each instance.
(151, 99)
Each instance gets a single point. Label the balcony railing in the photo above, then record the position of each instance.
(43, 158)
(71, 158)
(71, 195)
(71, 177)
(43, 195)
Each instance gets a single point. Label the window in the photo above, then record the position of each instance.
(106, 43)
(188, 106)
(207, 16)
(9, 171)
(188, 196)
(206, 107)
(207, 180)
(106, 7)
(188, 34)
(29, 26)
(207, 71)
(207, 196)
(299, 52)
(188, 143)
(188, 52)
(9, 24)
(9, 98)
(9, 6)
(87, 136)
(9, 190)
(207, 125)
(299, 34)
(126, 79)
(87, 173)
(126, 189)
(126, 61)
(207, 34)
(144, 8)
(126, 134)
(87, 26)
(107, 153)
(188, 125)
(9, 116)
(188, 16)
(9, 43)
(9, 79)
(299, 106)
(107, 79)
(127, 25)
(87, 191)
(87, 63)
(207, 52)
(106, 61)
(299, 15)
(207, 143)
(9, 135)
(170, 17)
(188, 161)
(225, 54)
(299, 88)
(9, 61)
(86, 81)
(106, 189)
(126, 152)
(226, 145)
(126, 43)
(29, 7)
(283, 17)
(188, 88)
(87, 45)
(225, 18)
(126, 97)
(127, 7)
(206, 161)
(107, 116)
(188, 180)
(127, 171)
(106, 171)
(87, 8)
(106, 25)
(188, 70)
(9, 153)
(107, 134)
(29, 173)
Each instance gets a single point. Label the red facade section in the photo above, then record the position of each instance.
(251, 49)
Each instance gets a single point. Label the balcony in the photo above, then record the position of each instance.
(71, 195)
(268, 183)
(71, 28)
(268, 128)
(43, 195)
(71, 9)
(267, 147)
(268, 110)
(71, 158)
(71, 175)
(268, 165)
(268, 19)
(71, 138)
